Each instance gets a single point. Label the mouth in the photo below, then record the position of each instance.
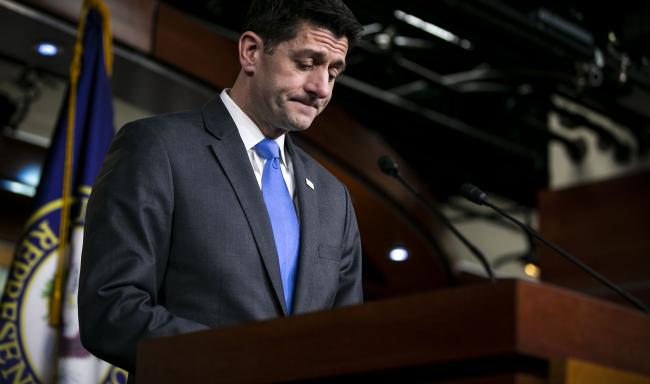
(304, 103)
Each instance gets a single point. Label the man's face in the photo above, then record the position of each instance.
(293, 84)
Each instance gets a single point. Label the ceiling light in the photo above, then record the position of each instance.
(16, 187)
(29, 175)
(398, 253)
(47, 49)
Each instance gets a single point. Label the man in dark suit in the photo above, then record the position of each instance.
(212, 218)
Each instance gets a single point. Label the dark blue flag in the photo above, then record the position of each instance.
(38, 312)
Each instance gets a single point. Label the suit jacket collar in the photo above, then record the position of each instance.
(217, 120)
(248, 130)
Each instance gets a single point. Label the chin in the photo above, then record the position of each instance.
(298, 128)
(300, 124)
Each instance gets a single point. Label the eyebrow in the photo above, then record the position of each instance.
(319, 55)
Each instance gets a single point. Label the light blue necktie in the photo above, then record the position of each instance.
(282, 213)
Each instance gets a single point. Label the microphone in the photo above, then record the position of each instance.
(388, 165)
(475, 195)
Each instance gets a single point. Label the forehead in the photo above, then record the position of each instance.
(319, 39)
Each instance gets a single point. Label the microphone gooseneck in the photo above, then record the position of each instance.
(475, 195)
(388, 165)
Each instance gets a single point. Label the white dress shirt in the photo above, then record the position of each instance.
(251, 135)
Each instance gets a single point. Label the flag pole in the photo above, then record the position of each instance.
(66, 196)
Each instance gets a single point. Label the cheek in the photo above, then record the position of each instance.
(290, 79)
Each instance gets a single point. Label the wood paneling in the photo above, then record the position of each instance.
(560, 323)
(606, 225)
(131, 20)
(574, 371)
(465, 333)
(6, 253)
(192, 46)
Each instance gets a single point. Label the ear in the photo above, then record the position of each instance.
(251, 47)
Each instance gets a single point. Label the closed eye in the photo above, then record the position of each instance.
(304, 66)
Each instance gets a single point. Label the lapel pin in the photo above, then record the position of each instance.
(309, 183)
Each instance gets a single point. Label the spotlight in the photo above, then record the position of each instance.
(398, 254)
(47, 49)
(18, 188)
(29, 175)
(532, 270)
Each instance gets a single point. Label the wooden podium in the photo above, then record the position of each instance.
(509, 332)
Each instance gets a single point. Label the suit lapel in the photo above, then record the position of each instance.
(231, 155)
(309, 222)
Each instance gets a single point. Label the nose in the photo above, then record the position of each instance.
(318, 84)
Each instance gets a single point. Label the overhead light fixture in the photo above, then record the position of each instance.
(18, 188)
(398, 253)
(47, 49)
(26, 181)
(432, 29)
(29, 175)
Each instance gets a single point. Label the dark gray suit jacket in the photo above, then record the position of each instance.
(178, 238)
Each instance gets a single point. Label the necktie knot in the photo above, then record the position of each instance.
(268, 149)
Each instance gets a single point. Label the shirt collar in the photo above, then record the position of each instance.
(248, 130)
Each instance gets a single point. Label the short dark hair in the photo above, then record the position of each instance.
(276, 21)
